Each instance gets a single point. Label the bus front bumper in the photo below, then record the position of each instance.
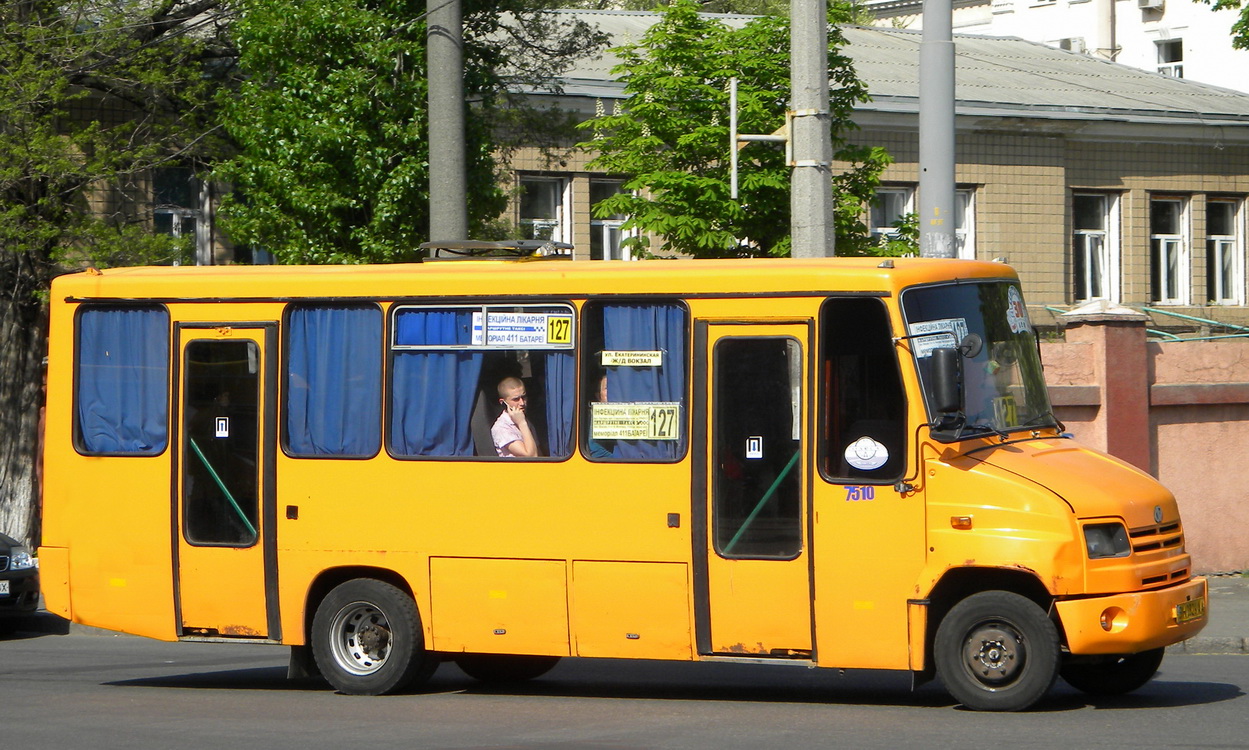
(1135, 622)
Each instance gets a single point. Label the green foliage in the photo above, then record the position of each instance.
(1240, 27)
(671, 138)
(331, 121)
(96, 94)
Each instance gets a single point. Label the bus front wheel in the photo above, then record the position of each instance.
(1112, 675)
(997, 651)
(367, 639)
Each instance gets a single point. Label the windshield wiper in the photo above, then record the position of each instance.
(982, 427)
(1043, 415)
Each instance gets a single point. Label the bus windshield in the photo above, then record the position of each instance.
(1003, 386)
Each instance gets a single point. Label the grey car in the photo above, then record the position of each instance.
(19, 583)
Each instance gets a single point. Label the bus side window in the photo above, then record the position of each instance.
(333, 380)
(446, 366)
(121, 401)
(641, 349)
(863, 423)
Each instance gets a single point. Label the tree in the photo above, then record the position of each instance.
(331, 120)
(96, 94)
(671, 139)
(1240, 27)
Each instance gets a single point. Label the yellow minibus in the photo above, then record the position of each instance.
(846, 463)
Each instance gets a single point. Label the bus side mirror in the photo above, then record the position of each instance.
(947, 380)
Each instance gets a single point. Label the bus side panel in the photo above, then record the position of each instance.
(499, 606)
(629, 610)
(105, 519)
(119, 568)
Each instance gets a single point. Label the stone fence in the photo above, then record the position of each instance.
(1179, 410)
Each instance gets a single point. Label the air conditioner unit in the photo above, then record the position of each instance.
(1150, 4)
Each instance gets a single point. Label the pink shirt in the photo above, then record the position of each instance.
(504, 433)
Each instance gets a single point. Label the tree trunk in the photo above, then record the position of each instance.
(23, 345)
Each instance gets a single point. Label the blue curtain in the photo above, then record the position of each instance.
(560, 387)
(334, 381)
(123, 380)
(433, 391)
(646, 327)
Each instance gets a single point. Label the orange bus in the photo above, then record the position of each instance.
(845, 463)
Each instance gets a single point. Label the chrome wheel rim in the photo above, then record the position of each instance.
(361, 638)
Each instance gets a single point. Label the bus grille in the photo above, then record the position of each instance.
(1154, 538)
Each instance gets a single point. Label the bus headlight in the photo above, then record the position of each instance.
(1106, 540)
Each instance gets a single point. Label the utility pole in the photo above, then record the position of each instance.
(936, 132)
(448, 181)
(811, 186)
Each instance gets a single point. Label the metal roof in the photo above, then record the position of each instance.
(994, 76)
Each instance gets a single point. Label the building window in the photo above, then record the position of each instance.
(177, 199)
(965, 223)
(1094, 246)
(1171, 57)
(1224, 267)
(1168, 251)
(605, 233)
(543, 209)
(891, 205)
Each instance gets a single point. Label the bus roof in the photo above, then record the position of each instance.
(562, 278)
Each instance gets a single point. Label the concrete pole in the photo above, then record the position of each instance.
(448, 181)
(936, 132)
(811, 186)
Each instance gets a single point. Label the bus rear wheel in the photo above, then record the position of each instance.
(1113, 675)
(367, 639)
(503, 668)
(997, 651)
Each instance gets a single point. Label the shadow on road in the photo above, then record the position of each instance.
(595, 678)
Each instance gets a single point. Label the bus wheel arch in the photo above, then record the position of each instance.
(367, 638)
(992, 638)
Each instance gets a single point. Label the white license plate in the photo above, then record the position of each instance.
(4, 588)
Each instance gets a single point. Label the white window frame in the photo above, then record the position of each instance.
(608, 231)
(1100, 248)
(1225, 256)
(1169, 256)
(186, 220)
(1170, 68)
(965, 222)
(555, 228)
(886, 229)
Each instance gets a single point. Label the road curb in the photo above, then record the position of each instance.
(1211, 645)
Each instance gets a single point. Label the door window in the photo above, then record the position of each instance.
(220, 478)
(757, 428)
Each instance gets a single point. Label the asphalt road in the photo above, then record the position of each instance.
(98, 692)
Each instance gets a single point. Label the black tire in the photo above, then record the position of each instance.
(1113, 675)
(503, 668)
(367, 639)
(997, 651)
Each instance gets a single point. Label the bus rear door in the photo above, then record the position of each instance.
(223, 496)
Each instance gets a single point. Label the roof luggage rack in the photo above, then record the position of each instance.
(462, 249)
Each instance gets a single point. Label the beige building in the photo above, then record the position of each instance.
(1095, 180)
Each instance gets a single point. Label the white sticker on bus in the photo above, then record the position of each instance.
(936, 334)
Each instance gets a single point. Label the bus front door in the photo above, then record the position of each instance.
(223, 498)
(755, 594)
